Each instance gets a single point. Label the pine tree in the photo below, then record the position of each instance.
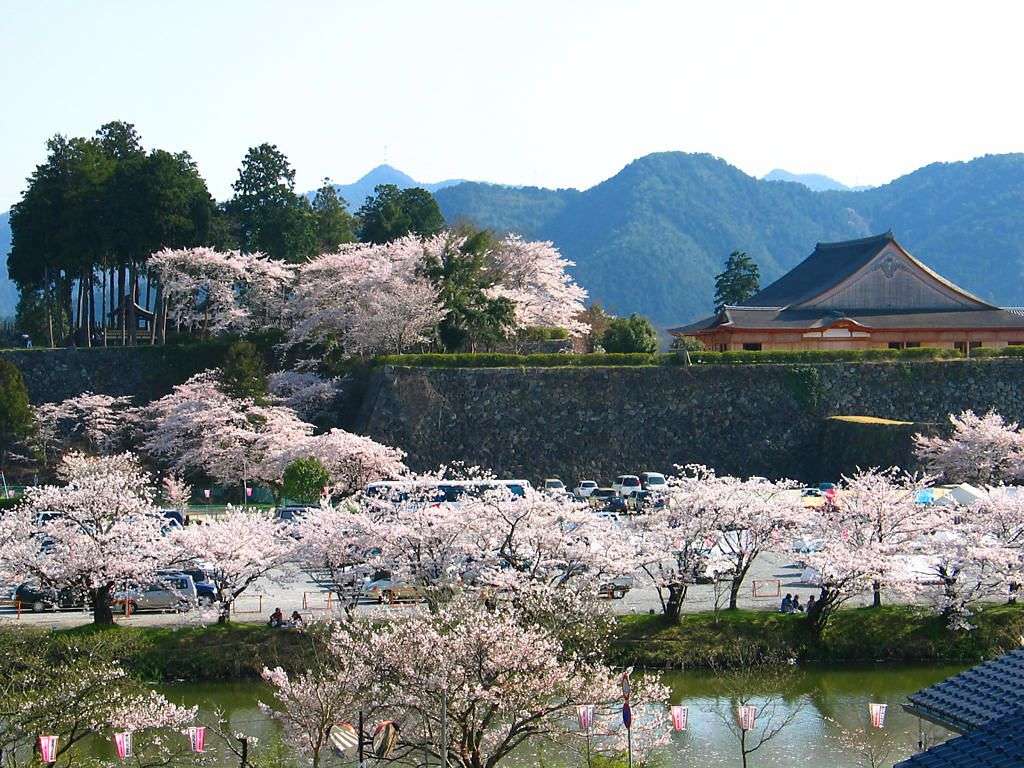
(740, 280)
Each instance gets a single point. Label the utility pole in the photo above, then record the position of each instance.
(444, 726)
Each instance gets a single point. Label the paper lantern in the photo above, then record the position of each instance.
(48, 748)
(197, 738)
(627, 714)
(248, 491)
(344, 739)
(585, 713)
(206, 492)
(625, 682)
(747, 717)
(385, 735)
(123, 742)
(877, 712)
(679, 716)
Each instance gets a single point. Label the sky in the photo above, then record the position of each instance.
(551, 93)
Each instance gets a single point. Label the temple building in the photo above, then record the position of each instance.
(859, 294)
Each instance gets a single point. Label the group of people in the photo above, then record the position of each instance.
(791, 604)
(277, 620)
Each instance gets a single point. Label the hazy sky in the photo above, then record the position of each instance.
(552, 92)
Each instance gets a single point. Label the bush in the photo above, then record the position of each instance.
(543, 333)
(304, 481)
(630, 334)
(244, 373)
(821, 355)
(500, 360)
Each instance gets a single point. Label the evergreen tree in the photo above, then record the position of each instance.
(243, 373)
(304, 481)
(391, 213)
(15, 413)
(740, 280)
(334, 224)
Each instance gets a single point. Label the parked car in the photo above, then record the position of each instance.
(171, 592)
(643, 500)
(37, 598)
(382, 588)
(584, 488)
(206, 587)
(616, 588)
(624, 485)
(815, 493)
(555, 487)
(653, 481)
(601, 497)
(291, 514)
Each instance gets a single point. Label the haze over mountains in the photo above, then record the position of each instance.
(652, 237)
(814, 181)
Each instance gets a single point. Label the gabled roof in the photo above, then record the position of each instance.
(997, 744)
(830, 264)
(976, 696)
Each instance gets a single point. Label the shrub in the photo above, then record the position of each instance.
(243, 372)
(630, 334)
(304, 481)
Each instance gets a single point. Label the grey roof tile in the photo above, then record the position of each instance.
(997, 744)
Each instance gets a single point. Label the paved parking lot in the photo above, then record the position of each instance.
(296, 591)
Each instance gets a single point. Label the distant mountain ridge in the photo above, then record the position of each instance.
(355, 194)
(816, 182)
(652, 238)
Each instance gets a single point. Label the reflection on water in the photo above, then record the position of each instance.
(829, 699)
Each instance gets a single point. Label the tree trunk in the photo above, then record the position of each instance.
(674, 606)
(47, 298)
(88, 308)
(876, 595)
(156, 312)
(131, 320)
(121, 290)
(734, 593)
(103, 304)
(102, 613)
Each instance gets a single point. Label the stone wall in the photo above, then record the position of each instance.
(142, 372)
(597, 422)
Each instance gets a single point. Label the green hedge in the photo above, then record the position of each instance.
(559, 360)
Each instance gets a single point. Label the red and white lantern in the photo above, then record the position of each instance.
(48, 749)
(248, 491)
(747, 717)
(877, 712)
(123, 742)
(585, 714)
(197, 738)
(679, 714)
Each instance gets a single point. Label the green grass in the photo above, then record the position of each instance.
(890, 633)
(214, 652)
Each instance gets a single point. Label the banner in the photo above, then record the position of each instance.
(627, 715)
(679, 716)
(585, 713)
(877, 714)
(747, 717)
(48, 748)
(197, 737)
(123, 742)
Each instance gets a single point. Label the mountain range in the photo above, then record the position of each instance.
(816, 182)
(651, 238)
(355, 194)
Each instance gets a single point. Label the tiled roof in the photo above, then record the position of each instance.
(974, 697)
(830, 264)
(998, 744)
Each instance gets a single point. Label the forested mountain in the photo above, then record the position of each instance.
(652, 238)
(8, 291)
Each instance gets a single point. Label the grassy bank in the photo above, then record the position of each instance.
(893, 633)
(215, 652)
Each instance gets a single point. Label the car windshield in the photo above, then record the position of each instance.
(631, 481)
(588, 484)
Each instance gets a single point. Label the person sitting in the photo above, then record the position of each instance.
(297, 621)
(810, 603)
(787, 604)
(276, 618)
(797, 608)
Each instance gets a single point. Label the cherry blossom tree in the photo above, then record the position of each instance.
(535, 277)
(213, 292)
(750, 516)
(239, 548)
(309, 395)
(675, 540)
(175, 491)
(337, 544)
(95, 423)
(885, 502)
(501, 683)
(73, 689)
(99, 530)
(365, 298)
(981, 449)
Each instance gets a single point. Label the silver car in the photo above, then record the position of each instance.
(171, 592)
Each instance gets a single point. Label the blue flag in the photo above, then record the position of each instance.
(627, 715)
